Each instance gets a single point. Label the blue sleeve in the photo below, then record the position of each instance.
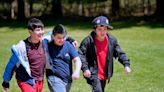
(48, 33)
(47, 36)
(72, 51)
(10, 68)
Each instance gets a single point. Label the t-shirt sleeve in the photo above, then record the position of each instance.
(72, 51)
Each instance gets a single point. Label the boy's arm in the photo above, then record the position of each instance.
(47, 36)
(75, 58)
(69, 39)
(9, 70)
(72, 41)
(121, 57)
(76, 73)
(82, 54)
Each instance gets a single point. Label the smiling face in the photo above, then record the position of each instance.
(59, 39)
(59, 34)
(101, 32)
(37, 33)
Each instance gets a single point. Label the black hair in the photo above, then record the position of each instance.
(59, 29)
(34, 23)
(94, 27)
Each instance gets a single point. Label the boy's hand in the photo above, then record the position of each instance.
(127, 70)
(87, 73)
(5, 85)
(75, 75)
(75, 44)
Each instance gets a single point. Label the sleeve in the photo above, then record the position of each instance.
(120, 55)
(47, 36)
(10, 67)
(72, 51)
(82, 54)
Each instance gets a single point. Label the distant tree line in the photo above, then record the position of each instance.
(21, 9)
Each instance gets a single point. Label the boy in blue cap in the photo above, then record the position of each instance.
(96, 52)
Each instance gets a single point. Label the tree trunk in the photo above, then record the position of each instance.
(21, 7)
(12, 10)
(57, 8)
(80, 8)
(115, 7)
(127, 8)
(31, 8)
(159, 8)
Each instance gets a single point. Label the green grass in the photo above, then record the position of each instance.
(143, 44)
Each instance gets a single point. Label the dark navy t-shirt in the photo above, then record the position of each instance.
(62, 59)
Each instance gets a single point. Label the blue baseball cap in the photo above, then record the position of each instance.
(101, 21)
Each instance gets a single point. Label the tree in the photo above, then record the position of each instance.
(12, 9)
(31, 6)
(57, 8)
(115, 7)
(80, 7)
(21, 7)
(159, 8)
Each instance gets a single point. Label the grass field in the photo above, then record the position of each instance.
(142, 42)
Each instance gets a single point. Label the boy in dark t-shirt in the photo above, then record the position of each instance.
(62, 53)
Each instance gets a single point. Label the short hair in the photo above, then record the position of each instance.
(34, 23)
(59, 29)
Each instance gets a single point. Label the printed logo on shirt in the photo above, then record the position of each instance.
(66, 55)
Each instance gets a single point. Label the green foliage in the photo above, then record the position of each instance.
(142, 42)
(83, 1)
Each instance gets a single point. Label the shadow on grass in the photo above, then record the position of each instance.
(85, 23)
(128, 23)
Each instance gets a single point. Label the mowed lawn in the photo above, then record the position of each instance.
(144, 45)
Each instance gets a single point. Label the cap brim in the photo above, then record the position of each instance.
(110, 27)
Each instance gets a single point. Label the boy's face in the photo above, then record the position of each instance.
(37, 33)
(101, 32)
(59, 39)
